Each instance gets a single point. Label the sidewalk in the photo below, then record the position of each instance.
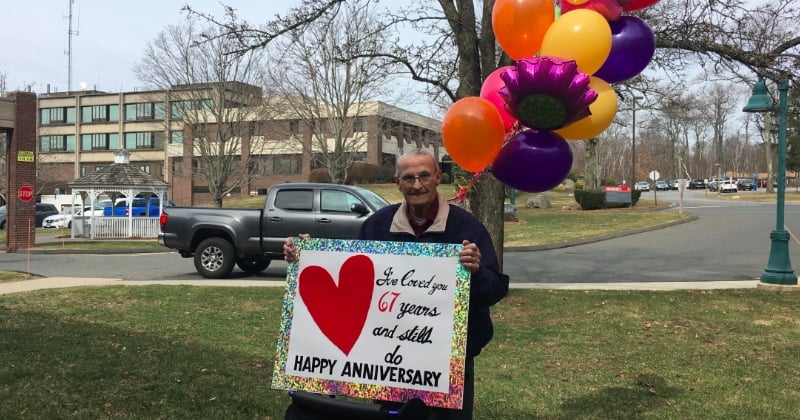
(64, 282)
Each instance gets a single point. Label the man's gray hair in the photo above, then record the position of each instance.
(415, 152)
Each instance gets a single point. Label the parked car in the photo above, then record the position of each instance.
(697, 184)
(250, 238)
(661, 186)
(63, 220)
(728, 185)
(674, 184)
(42, 211)
(746, 184)
(642, 186)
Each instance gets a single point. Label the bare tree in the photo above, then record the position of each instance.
(212, 97)
(321, 78)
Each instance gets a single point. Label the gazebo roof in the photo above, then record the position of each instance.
(119, 174)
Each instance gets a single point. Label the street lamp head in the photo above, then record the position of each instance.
(760, 101)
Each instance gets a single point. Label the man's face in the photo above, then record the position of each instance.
(417, 180)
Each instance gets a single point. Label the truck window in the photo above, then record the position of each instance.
(298, 200)
(335, 200)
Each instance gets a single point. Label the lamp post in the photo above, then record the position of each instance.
(779, 269)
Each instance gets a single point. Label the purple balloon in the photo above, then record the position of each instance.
(533, 161)
(632, 46)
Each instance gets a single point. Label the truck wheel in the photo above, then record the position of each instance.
(253, 265)
(214, 258)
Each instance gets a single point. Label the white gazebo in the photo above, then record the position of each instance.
(117, 180)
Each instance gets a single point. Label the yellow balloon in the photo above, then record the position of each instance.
(582, 35)
(603, 110)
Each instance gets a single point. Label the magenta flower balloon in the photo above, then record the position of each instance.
(610, 9)
(547, 93)
(632, 46)
(533, 161)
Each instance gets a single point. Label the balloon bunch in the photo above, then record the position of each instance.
(566, 57)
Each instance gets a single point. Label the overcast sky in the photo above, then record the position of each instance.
(111, 37)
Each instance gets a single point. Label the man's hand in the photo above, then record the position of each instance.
(289, 250)
(470, 256)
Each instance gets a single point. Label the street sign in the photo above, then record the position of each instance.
(654, 175)
(25, 193)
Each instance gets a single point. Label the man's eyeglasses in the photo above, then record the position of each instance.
(411, 179)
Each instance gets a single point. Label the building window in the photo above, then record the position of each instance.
(179, 108)
(89, 168)
(65, 143)
(176, 137)
(100, 113)
(396, 129)
(287, 164)
(144, 111)
(294, 127)
(358, 124)
(100, 141)
(318, 161)
(144, 140)
(321, 126)
(257, 129)
(144, 168)
(62, 115)
(177, 166)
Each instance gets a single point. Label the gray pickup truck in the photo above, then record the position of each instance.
(218, 238)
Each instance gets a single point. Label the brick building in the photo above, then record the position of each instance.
(79, 132)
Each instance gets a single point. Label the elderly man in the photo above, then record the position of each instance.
(425, 216)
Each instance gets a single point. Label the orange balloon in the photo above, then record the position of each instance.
(519, 25)
(582, 35)
(472, 132)
(603, 110)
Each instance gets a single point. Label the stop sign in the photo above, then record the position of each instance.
(25, 193)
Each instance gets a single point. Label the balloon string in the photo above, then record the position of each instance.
(463, 190)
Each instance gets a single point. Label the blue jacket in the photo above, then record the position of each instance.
(452, 225)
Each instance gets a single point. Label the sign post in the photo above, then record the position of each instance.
(654, 175)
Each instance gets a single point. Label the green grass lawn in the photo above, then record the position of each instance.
(208, 352)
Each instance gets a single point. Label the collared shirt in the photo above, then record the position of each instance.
(420, 225)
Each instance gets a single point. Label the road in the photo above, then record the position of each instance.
(728, 241)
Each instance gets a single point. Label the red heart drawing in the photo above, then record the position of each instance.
(339, 311)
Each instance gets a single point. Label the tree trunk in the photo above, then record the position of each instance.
(486, 202)
(593, 165)
(769, 151)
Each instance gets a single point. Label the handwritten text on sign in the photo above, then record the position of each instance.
(381, 320)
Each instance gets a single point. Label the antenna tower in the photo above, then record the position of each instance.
(70, 32)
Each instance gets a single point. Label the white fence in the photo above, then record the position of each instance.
(118, 227)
